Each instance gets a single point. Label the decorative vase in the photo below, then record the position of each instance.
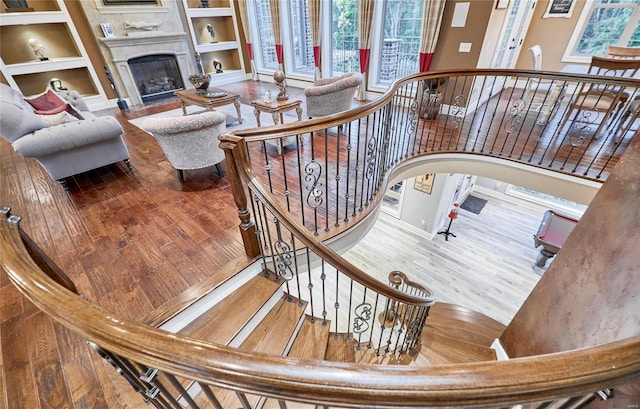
(200, 82)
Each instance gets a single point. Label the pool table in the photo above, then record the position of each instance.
(552, 232)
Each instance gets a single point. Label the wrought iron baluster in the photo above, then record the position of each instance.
(209, 394)
(315, 195)
(337, 177)
(347, 195)
(326, 178)
(183, 392)
(300, 184)
(243, 400)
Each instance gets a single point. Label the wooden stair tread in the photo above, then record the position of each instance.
(370, 356)
(441, 310)
(341, 349)
(454, 350)
(274, 332)
(222, 323)
(454, 331)
(311, 341)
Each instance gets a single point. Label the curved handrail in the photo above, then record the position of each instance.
(232, 143)
(518, 380)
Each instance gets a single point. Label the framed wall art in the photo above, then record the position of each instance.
(559, 8)
(108, 30)
(424, 183)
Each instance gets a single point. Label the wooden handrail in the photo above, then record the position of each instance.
(519, 380)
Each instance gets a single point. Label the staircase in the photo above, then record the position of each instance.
(259, 317)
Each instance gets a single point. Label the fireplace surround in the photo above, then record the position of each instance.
(123, 49)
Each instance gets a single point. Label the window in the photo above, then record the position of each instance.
(345, 45)
(401, 40)
(604, 23)
(395, 38)
(266, 51)
(300, 31)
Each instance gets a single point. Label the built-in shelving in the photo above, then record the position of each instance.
(49, 23)
(224, 47)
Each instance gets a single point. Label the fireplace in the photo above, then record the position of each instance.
(156, 76)
(171, 69)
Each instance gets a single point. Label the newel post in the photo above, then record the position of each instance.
(235, 156)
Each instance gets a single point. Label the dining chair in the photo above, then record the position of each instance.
(605, 101)
(615, 51)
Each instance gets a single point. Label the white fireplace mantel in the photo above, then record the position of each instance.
(141, 44)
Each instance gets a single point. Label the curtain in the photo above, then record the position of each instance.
(314, 22)
(431, 19)
(365, 20)
(274, 8)
(242, 5)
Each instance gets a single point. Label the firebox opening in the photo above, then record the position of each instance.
(156, 76)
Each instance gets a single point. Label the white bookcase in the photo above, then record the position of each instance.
(225, 47)
(48, 22)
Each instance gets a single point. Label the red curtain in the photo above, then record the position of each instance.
(242, 5)
(365, 21)
(314, 22)
(274, 8)
(431, 20)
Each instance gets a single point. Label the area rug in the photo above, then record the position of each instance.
(473, 204)
(248, 117)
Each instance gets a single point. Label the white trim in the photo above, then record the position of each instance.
(126, 9)
(501, 353)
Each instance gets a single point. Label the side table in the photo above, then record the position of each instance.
(276, 109)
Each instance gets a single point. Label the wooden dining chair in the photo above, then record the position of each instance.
(604, 100)
(615, 51)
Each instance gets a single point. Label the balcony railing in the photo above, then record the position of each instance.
(330, 178)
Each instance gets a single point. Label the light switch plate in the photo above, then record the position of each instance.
(465, 48)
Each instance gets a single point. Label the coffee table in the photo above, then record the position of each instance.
(276, 109)
(210, 100)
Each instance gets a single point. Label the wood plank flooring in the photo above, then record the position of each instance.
(133, 240)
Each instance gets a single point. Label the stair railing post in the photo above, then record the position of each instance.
(235, 155)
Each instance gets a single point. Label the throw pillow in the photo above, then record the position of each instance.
(47, 103)
(58, 119)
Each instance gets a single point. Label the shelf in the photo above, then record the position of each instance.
(209, 12)
(52, 64)
(36, 6)
(78, 79)
(221, 46)
(15, 19)
(55, 37)
(51, 25)
(222, 27)
(213, 4)
(227, 48)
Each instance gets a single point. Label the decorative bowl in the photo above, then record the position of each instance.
(200, 82)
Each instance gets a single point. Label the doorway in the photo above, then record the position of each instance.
(513, 32)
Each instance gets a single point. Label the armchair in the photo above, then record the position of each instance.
(332, 95)
(190, 142)
(63, 136)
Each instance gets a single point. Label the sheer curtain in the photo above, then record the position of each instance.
(244, 16)
(314, 21)
(431, 18)
(274, 8)
(365, 20)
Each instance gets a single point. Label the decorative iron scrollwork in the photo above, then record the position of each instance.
(362, 318)
(371, 157)
(313, 172)
(283, 259)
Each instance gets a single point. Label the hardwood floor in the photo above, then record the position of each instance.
(133, 240)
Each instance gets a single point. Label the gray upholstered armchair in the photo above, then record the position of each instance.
(190, 142)
(58, 131)
(332, 95)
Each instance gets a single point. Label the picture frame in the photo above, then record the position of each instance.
(502, 4)
(559, 8)
(424, 183)
(108, 30)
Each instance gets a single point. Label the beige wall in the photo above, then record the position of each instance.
(552, 34)
(447, 55)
